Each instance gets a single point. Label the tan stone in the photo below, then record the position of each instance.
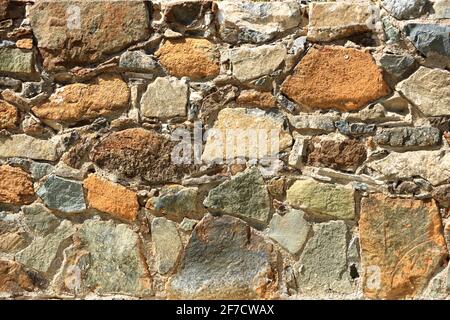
(9, 116)
(24, 146)
(16, 186)
(111, 198)
(3, 7)
(402, 245)
(254, 98)
(24, 44)
(335, 78)
(14, 278)
(103, 96)
(193, 58)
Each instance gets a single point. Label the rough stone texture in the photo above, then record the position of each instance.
(409, 138)
(253, 98)
(39, 219)
(15, 278)
(3, 6)
(402, 245)
(12, 237)
(193, 58)
(397, 66)
(21, 145)
(138, 61)
(441, 9)
(442, 195)
(16, 62)
(322, 199)
(167, 244)
(105, 28)
(313, 123)
(106, 95)
(225, 241)
(405, 9)
(9, 116)
(111, 198)
(16, 186)
(335, 78)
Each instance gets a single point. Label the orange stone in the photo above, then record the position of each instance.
(254, 98)
(111, 198)
(402, 245)
(9, 116)
(339, 78)
(24, 44)
(16, 186)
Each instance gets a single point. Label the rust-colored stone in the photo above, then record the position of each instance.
(16, 186)
(254, 98)
(14, 278)
(25, 44)
(9, 116)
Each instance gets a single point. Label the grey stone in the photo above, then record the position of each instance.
(405, 9)
(40, 170)
(188, 225)
(21, 145)
(354, 129)
(313, 123)
(441, 9)
(167, 244)
(391, 32)
(138, 61)
(62, 194)
(442, 195)
(397, 66)
(7, 82)
(39, 219)
(409, 138)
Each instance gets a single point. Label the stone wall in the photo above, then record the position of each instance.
(99, 98)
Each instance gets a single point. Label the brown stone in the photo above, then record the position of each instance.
(254, 98)
(442, 195)
(14, 278)
(16, 186)
(12, 238)
(106, 95)
(24, 44)
(111, 198)
(3, 7)
(402, 245)
(9, 116)
(335, 78)
(193, 58)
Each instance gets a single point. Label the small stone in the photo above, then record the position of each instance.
(322, 199)
(3, 8)
(405, 9)
(187, 17)
(313, 123)
(402, 246)
(39, 219)
(187, 225)
(15, 278)
(354, 129)
(9, 116)
(21, 145)
(39, 170)
(24, 44)
(138, 61)
(391, 32)
(16, 62)
(62, 194)
(395, 103)
(408, 138)
(298, 152)
(16, 186)
(290, 231)
(407, 187)
(442, 195)
(165, 98)
(254, 98)
(194, 58)
(12, 237)
(167, 244)
(111, 198)
(398, 67)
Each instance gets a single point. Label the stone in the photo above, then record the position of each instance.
(12, 237)
(298, 152)
(111, 198)
(430, 165)
(339, 78)
(232, 135)
(15, 278)
(16, 186)
(442, 195)
(188, 16)
(398, 67)
(24, 44)
(244, 195)
(105, 96)
(167, 242)
(248, 63)
(254, 98)
(405, 9)
(322, 268)
(39, 219)
(313, 123)
(138, 61)
(9, 116)
(165, 98)
(62, 194)
(3, 8)
(441, 9)
(402, 246)
(257, 22)
(290, 231)
(355, 129)
(429, 90)
(322, 199)
(217, 242)
(21, 145)
(187, 225)
(39, 170)
(329, 21)
(66, 41)
(409, 138)
(16, 62)
(194, 58)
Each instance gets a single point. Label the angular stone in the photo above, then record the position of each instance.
(248, 63)
(16, 186)
(39, 219)
(188, 16)
(402, 246)
(12, 236)
(105, 96)
(16, 62)
(322, 268)
(254, 98)
(167, 244)
(331, 20)
(21, 145)
(442, 195)
(165, 98)
(354, 129)
(24, 44)
(9, 116)
(298, 151)
(290, 231)
(3, 6)
(81, 33)
(245, 196)
(441, 9)
(15, 278)
(138, 61)
(405, 9)
(429, 90)
(188, 225)
(194, 58)
(335, 78)
(257, 22)
(313, 123)
(225, 241)
(322, 199)
(409, 138)
(62, 194)
(397, 66)
(111, 198)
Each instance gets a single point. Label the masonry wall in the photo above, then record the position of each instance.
(119, 175)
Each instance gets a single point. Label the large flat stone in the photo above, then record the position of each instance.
(21, 145)
(62, 194)
(167, 242)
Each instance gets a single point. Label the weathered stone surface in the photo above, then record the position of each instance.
(3, 7)
(430, 165)
(405, 9)
(354, 129)
(24, 44)
(248, 63)
(322, 268)
(90, 32)
(16, 62)
(21, 145)
(193, 58)
(167, 244)
(254, 98)
(111, 198)
(290, 230)
(62, 194)
(188, 16)
(409, 138)
(188, 225)
(329, 21)
(138, 61)
(12, 236)
(397, 66)
(225, 241)
(257, 22)
(39, 219)
(299, 150)
(15, 278)
(442, 195)
(106, 95)
(335, 78)
(322, 199)
(402, 245)
(429, 90)
(16, 186)
(441, 9)
(9, 116)
(245, 196)
(313, 123)
(165, 98)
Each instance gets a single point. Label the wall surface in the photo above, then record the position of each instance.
(224, 149)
